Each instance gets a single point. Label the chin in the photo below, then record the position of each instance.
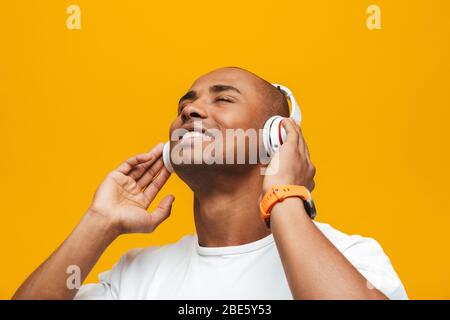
(206, 173)
(196, 153)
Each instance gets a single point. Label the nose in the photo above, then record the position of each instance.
(193, 112)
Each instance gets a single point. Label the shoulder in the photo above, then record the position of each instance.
(355, 246)
(369, 258)
(135, 268)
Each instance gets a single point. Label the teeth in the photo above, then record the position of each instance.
(195, 134)
(192, 134)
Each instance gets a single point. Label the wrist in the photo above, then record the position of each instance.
(288, 207)
(293, 199)
(100, 225)
(287, 214)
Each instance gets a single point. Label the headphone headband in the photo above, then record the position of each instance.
(295, 112)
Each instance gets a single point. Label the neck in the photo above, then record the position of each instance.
(226, 209)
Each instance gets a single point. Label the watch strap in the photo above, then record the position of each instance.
(280, 192)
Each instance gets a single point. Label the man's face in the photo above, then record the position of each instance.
(224, 99)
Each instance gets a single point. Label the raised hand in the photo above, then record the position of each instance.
(126, 193)
(292, 164)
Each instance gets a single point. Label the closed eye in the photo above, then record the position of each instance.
(224, 98)
(218, 99)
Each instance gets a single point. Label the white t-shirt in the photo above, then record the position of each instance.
(185, 270)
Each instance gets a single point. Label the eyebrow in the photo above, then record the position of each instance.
(190, 95)
(213, 89)
(223, 87)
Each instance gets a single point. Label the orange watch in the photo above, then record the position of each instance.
(280, 192)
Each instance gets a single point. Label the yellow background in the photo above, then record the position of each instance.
(76, 103)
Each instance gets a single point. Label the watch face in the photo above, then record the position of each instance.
(310, 208)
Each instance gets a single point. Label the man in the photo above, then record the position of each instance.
(234, 254)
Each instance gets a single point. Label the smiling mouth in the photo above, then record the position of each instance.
(191, 135)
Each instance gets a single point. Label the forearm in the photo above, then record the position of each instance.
(82, 248)
(314, 268)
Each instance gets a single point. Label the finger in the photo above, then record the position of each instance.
(131, 163)
(145, 222)
(301, 140)
(140, 170)
(303, 145)
(137, 172)
(306, 149)
(292, 135)
(150, 173)
(153, 188)
(161, 213)
(299, 132)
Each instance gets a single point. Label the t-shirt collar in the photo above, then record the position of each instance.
(244, 248)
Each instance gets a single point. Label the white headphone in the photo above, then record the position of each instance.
(273, 135)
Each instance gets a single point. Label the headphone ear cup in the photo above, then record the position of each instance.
(274, 135)
(166, 157)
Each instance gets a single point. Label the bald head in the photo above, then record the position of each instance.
(273, 100)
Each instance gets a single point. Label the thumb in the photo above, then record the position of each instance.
(161, 213)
